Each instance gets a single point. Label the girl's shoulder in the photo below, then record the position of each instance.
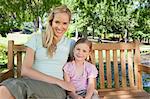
(70, 63)
(68, 66)
(89, 66)
(91, 69)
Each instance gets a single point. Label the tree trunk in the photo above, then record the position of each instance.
(93, 31)
(105, 34)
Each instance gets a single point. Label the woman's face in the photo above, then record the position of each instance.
(60, 24)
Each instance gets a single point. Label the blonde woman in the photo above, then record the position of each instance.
(42, 67)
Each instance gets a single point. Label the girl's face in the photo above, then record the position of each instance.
(60, 24)
(81, 51)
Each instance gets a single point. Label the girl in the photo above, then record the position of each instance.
(81, 73)
(42, 66)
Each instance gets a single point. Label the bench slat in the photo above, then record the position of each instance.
(130, 68)
(116, 74)
(113, 46)
(123, 68)
(101, 69)
(108, 69)
(19, 63)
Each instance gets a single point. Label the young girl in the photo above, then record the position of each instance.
(81, 73)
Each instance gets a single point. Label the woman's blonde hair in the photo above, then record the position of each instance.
(49, 40)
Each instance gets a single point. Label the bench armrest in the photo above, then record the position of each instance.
(6, 74)
(144, 68)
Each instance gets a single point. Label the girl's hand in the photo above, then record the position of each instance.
(78, 97)
(87, 98)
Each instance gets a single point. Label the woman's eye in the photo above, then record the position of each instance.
(65, 23)
(84, 51)
(78, 48)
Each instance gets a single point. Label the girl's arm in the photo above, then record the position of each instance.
(28, 71)
(90, 88)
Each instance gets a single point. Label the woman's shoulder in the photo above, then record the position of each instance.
(69, 39)
(34, 40)
(36, 35)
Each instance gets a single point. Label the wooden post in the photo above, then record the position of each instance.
(10, 54)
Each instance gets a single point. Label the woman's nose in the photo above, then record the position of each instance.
(60, 26)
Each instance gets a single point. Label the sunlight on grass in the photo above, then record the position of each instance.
(3, 41)
(144, 47)
(18, 38)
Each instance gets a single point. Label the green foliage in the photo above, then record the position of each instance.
(137, 35)
(90, 17)
(93, 17)
(3, 54)
(15, 12)
(70, 31)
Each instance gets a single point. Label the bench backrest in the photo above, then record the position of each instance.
(117, 64)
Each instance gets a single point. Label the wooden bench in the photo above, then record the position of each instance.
(120, 71)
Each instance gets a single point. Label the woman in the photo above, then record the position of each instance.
(42, 67)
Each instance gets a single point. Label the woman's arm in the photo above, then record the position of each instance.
(90, 88)
(28, 71)
(71, 93)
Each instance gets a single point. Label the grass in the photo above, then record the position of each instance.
(2, 69)
(147, 89)
(18, 38)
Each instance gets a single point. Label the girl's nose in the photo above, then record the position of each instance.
(80, 52)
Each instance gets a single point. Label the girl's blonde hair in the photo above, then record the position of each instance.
(48, 38)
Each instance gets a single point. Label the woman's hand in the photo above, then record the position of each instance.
(67, 86)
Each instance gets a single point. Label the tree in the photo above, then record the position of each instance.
(142, 15)
(14, 12)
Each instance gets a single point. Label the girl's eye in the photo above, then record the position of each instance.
(57, 22)
(84, 51)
